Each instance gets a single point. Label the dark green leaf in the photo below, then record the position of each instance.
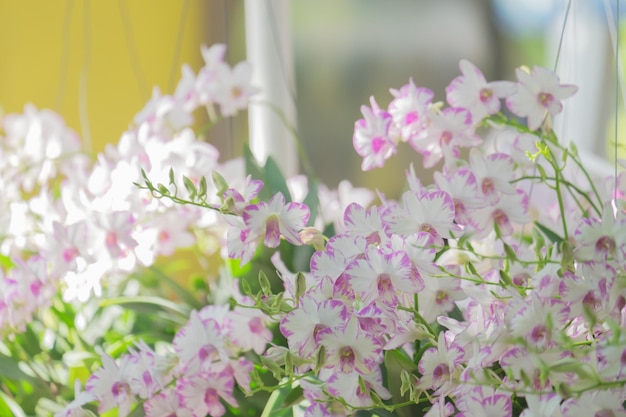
(553, 237)
(312, 201)
(275, 180)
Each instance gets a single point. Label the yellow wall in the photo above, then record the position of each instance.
(35, 35)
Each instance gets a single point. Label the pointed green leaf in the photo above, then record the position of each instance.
(275, 180)
(202, 188)
(312, 201)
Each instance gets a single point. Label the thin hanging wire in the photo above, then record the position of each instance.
(558, 51)
(132, 51)
(617, 72)
(65, 56)
(620, 85)
(178, 48)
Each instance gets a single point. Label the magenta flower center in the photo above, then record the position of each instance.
(346, 359)
(411, 117)
(440, 372)
(445, 138)
(70, 254)
(539, 333)
(164, 236)
(428, 229)
(211, 397)
(378, 143)
(545, 99)
(441, 297)
(605, 245)
(485, 94)
(384, 283)
(206, 352)
(488, 186)
(256, 325)
(120, 391)
(111, 239)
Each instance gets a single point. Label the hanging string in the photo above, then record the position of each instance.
(620, 85)
(558, 51)
(132, 50)
(65, 56)
(617, 73)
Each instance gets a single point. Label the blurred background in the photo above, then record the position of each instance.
(96, 63)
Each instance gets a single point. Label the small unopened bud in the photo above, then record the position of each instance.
(312, 236)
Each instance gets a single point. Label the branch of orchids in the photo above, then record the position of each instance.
(197, 195)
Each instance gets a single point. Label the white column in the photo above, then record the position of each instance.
(269, 50)
(585, 61)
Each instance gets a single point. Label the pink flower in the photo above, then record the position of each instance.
(472, 92)
(493, 174)
(601, 239)
(233, 88)
(350, 349)
(409, 109)
(166, 404)
(484, 402)
(380, 276)
(431, 212)
(110, 385)
(371, 138)
(448, 131)
(538, 93)
(439, 364)
(347, 386)
(203, 392)
(272, 220)
(200, 342)
(598, 403)
(302, 326)
(508, 210)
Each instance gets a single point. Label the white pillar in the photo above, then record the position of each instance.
(269, 50)
(585, 61)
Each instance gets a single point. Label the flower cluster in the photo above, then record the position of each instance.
(87, 221)
(498, 289)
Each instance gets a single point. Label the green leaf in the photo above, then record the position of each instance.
(220, 183)
(312, 201)
(163, 189)
(275, 406)
(294, 397)
(190, 187)
(144, 303)
(171, 176)
(6, 262)
(203, 188)
(10, 369)
(553, 237)
(11, 405)
(275, 179)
